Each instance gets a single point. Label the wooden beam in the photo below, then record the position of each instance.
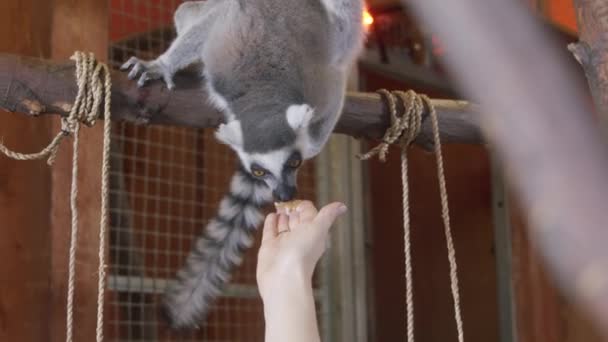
(36, 87)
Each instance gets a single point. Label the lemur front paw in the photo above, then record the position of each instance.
(148, 70)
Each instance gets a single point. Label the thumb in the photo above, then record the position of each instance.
(329, 214)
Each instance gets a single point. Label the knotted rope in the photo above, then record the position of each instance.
(404, 129)
(94, 85)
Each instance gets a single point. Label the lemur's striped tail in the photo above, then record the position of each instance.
(216, 252)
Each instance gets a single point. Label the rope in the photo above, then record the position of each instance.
(105, 198)
(404, 128)
(445, 213)
(94, 84)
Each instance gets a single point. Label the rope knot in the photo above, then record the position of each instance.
(67, 127)
(405, 125)
(93, 80)
(405, 128)
(94, 91)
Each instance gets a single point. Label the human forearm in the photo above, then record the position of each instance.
(291, 247)
(290, 313)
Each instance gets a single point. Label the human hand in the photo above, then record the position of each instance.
(293, 243)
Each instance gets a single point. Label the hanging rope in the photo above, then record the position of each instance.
(94, 85)
(404, 129)
(105, 198)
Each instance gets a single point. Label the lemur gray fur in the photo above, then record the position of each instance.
(278, 71)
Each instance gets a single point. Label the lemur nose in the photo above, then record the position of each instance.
(285, 194)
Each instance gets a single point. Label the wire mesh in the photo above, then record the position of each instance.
(166, 183)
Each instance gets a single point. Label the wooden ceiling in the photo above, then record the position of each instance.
(382, 3)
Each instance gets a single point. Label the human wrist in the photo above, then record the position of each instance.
(290, 313)
(286, 285)
(291, 301)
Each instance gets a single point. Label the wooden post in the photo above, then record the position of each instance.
(77, 25)
(24, 191)
(344, 267)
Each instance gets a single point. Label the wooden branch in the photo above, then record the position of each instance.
(35, 87)
(592, 49)
(542, 128)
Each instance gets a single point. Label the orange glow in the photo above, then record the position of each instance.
(368, 20)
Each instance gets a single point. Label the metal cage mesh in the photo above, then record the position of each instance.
(166, 183)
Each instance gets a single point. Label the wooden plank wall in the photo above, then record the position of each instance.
(542, 313)
(24, 189)
(34, 210)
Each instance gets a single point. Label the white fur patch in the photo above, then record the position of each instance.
(218, 101)
(216, 231)
(262, 194)
(240, 186)
(334, 7)
(299, 116)
(306, 146)
(228, 209)
(230, 134)
(252, 216)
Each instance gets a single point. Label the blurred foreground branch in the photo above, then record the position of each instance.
(543, 129)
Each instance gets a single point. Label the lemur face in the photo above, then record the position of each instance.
(277, 168)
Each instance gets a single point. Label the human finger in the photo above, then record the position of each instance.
(270, 227)
(294, 219)
(280, 208)
(329, 214)
(307, 211)
(283, 225)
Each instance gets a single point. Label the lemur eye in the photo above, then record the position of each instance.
(258, 172)
(295, 163)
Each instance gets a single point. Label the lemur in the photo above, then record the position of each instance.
(277, 69)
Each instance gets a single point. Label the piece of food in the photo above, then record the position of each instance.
(287, 206)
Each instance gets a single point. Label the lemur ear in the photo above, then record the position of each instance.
(299, 116)
(230, 134)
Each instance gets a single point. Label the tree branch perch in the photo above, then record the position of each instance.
(36, 87)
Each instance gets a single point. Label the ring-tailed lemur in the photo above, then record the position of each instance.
(277, 69)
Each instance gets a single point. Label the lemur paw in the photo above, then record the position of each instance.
(146, 71)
